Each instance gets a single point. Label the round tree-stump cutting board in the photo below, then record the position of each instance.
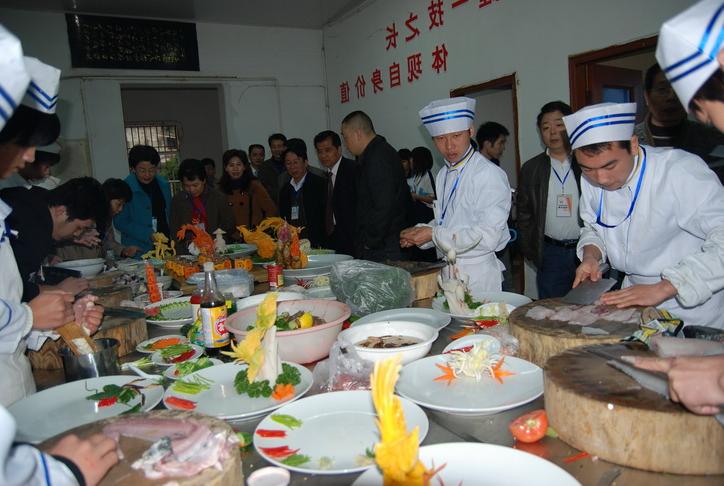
(604, 412)
(122, 473)
(539, 339)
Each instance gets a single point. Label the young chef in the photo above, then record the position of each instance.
(655, 214)
(690, 53)
(473, 204)
(71, 461)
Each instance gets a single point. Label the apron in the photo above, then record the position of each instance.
(16, 377)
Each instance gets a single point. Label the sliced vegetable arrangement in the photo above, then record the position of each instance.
(117, 394)
(292, 322)
(283, 387)
(169, 312)
(188, 367)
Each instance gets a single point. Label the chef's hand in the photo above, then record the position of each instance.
(92, 318)
(94, 456)
(51, 309)
(130, 251)
(589, 269)
(418, 235)
(73, 285)
(644, 295)
(696, 382)
(89, 238)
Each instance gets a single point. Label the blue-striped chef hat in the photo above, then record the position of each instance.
(448, 116)
(14, 80)
(42, 93)
(606, 122)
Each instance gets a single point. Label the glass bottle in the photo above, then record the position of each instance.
(213, 315)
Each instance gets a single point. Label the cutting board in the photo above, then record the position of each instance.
(123, 474)
(604, 412)
(539, 339)
(128, 331)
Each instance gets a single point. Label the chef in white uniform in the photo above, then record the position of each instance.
(474, 198)
(656, 214)
(72, 461)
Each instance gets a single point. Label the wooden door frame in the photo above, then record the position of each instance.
(510, 81)
(577, 66)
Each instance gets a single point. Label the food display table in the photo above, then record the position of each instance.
(492, 429)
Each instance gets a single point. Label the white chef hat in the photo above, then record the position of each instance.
(688, 45)
(448, 116)
(14, 80)
(605, 122)
(42, 94)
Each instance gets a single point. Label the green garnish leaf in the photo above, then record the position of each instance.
(175, 350)
(188, 367)
(370, 452)
(287, 421)
(245, 439)
(296, 460)
(255, 389)
(192, 386)
(134, 409)
(289, 376)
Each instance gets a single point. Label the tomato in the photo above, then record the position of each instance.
(107, 402)
(271, 433)
(530, 427)
(182, 357)
(278, 452)
(181, 403)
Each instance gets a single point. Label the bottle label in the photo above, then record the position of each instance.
(213, 321)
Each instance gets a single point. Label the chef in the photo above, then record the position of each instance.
(473, 204)
(72, 460)
(656, 214)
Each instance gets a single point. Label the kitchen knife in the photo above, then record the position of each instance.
(587, 291)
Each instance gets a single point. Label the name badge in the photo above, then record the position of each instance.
(564, 205)
(295, 212)
(154, 224)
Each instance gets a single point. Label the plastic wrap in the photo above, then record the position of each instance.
(344, 370)
(369, 287)
(237, 282)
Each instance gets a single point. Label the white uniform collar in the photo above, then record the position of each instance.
(463, 160)
(634, 176)
(5, 211)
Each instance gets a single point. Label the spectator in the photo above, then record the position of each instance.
(270, 170)
(247, 198)
(210, 167)
(383, 196)
(422, 189)
(256, 157)
(341, 201)
(491, 138)
(198, 204)
(148, 210)
(37, 173)
(406, 161)
(302, 200)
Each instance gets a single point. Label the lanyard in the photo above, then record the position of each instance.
(562, 181)
(633, 202)
(462, 164)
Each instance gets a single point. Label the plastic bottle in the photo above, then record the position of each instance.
(213, 314)
(196, 335)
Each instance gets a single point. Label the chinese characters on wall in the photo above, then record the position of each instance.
(412, 67)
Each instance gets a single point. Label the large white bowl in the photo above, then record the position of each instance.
(408, 354)
(301, 345)
(88, 267)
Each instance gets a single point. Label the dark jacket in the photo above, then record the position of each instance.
(344, 205)
(383, 202)
(312, 202)
(531, 204)
(32, 237)
(218, 215)
(268, 175)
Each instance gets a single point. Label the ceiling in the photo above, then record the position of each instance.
(305, 14)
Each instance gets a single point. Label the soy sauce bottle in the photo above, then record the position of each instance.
(213, 315)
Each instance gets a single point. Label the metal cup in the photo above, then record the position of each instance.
(101, 363)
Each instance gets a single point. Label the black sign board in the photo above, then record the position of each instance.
(124, 43)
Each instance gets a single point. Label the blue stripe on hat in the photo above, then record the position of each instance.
(436, 120)
(700, 50)
(602, 117)
(597, 125)
(41, 92)
(4, 116)
(47, 106)
(8, 98)
(447, 113)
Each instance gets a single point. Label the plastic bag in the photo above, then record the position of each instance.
(369, 287)
(344, 370)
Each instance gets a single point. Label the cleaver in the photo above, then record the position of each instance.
(587, 291)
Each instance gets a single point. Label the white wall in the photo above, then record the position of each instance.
(530, 37)
(272, 80)
(497, 105)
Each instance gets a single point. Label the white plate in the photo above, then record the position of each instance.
(239, 249)
(170, 372)
(471, 463)
(144, 300)
(156, 357)
(431, 317)
(182, 319)
(222, 401)
(141, 347)
(488, 297)
(338, 426)
(63, 407)
(465, 396)
(469, 340)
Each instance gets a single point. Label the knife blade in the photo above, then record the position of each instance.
(588, 292)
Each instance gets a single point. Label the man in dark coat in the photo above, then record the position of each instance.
(383, 197)
(341, 192)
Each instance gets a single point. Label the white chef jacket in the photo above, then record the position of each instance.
(16, 320)
(676, 231)
(24, 465)
(474, 212)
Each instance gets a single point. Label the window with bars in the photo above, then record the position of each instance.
(163, 136)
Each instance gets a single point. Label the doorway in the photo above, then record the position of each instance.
(497, 100)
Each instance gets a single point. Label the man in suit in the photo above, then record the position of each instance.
(341, 176)
(383, 196)
(268, 173)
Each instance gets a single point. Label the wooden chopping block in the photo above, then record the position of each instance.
(424, 284)
(604, 412)
(541, 339)
(129, 333)
(104, 279)
(112, 296)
